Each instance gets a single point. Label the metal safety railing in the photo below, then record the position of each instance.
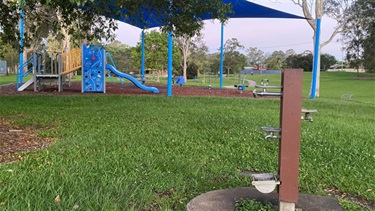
(108, 55)
(26, 64)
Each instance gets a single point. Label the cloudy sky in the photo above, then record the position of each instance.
(267, 35)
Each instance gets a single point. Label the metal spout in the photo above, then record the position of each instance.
(272, 135)
(307, 117)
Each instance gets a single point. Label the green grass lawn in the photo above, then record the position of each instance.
(157, 153)
(11, 79)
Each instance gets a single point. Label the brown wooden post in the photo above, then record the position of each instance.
(289, 146)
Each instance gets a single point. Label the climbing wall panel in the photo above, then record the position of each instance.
(93, 69)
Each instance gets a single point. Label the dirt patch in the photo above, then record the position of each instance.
(14, 140)
(351, 197)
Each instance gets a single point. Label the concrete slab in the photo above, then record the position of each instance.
(224, 200)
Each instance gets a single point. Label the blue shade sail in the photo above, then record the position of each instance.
(150, 18)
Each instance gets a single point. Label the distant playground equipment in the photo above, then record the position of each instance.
(241, 86)
(255, 71)
(61, 65)
(347, 97)
(91, 59)
(264, 85)
(209, 80)
(180, 80)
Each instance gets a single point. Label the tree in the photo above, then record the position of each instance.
(58, 17)
(234, 60)
(121, 55)
(303, 61)
(338, 10)
(61, 19)
(183, 43)
(198, 54)
(214, 61)
(9, 54)
(276, 60)
(255, 56)
(326, 61)
(289, 52)
(178, 16)
(360, 36)
(156, 52)
(192, 70)
(189, 45)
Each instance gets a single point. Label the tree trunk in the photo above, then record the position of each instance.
(64, 32)
(185, 52)
(340, 15)
(317, 91)
(158, 76)
(184, 64)
(319, 14)
(159, 73)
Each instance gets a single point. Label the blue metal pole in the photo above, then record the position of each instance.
(143, 54)
(22, 25)
(170, 52)
(316, 58)
(222, 56)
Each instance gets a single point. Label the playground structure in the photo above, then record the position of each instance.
(92, 60)
(241, 86)
(180, 80)
(61, 65)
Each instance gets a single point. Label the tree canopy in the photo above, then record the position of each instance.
(156, 52)
(338, 10)
(234, 60)
(89, 25)
(360, 35)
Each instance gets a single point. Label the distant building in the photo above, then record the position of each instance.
(343, 68)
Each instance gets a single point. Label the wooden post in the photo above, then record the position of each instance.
(289, 146)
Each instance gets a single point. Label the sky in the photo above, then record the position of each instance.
(265, 34)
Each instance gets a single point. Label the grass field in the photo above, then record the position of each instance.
(157, 153)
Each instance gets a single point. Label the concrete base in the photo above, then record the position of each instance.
(285, 206)
(224, 200)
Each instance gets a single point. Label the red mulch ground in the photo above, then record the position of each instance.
(14, 140)
(130, 89)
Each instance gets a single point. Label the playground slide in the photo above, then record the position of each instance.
(26, 84)
(131, 78)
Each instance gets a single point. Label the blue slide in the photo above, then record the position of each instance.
(131, 78)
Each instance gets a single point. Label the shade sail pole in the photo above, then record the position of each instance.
(143, 55)
(22, 25)
(222, 56)
(170, 52)
(316, 59)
